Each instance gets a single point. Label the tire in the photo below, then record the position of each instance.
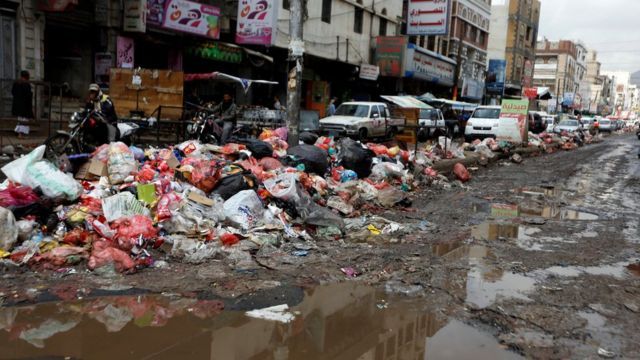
(363, 134)
(393, 131)
(55, 147)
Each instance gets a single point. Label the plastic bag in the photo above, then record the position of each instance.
(8, 229)
(205, 175)
(283, 187)
(193, 251)
(16, 196)
(353, 157)
(104, 254)
(129, 230)
(122, 205)
(244, 209)
(314, 158)
(314, 214)
(282, 133)
(259, 149)
(461, 172)
(232, 184)
(387, 170)
(52, 182)
(78, 237)
(167, 203)
(17, 169)
(390, 196)
(269, 163)
(308, 138)
(121, 163)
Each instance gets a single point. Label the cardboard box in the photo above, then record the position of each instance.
(200, 199)
(98, 168)
(83, 173)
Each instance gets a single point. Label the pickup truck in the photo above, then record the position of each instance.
(431, 121)
(363, 120)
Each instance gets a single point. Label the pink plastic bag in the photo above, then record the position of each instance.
(103, 254)
(168, 202)
(461, 172)
(129, 230)
(16, 196)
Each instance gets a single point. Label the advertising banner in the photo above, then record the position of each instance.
(390, 55)
(530, 92)
(125, 53)
(155, 12)
(514, 124)
(257, 22)
(428, 17)
(135, 16)
(369, 72)
(191, 17)
(496, 76)
(422, 65)
(472, 89)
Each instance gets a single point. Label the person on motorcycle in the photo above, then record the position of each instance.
(227, 112)
(102, 104)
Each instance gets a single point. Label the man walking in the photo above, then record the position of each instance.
(22, 106)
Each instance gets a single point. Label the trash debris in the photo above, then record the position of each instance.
(606, 353)
(279, 313)
(461, 172)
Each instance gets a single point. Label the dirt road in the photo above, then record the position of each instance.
(525, 260)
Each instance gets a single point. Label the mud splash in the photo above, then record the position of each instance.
(337, 321)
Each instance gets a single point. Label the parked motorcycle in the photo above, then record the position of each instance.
(206, 128)
(87, 130)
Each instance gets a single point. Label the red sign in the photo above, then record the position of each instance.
(531, 93)
(56, 5)
(390, 55)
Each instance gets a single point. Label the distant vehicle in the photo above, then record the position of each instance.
(456, 113)
(550, 122)
(568, 125)
(362, 120)
(537, 124)
(431, 121)
(484, 122)
(588, 124)
(607, 125)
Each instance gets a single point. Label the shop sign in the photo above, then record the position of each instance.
(472, 89)
(530, 93)
(101, 9)
(216, 51)
(495, 76)
(135, 16)
(568, 99)
(369, 72)
(389, 57)
(155, 12)
(56, 5)
(102, 64)
(193, 18)
(257, 22)
(428, 17)
(514, 126)
(527, 75)
(427, 67)
(125, 53)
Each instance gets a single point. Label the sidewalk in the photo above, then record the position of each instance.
(28, 143)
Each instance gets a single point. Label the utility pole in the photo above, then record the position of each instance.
(294, 83)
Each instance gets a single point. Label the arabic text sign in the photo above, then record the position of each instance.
(430, 68)
(428, 17)
(390, 55)
(257, 20)
(514, 126)
(191, 17)
(369, 72)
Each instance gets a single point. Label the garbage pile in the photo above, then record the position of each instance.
(123, 208)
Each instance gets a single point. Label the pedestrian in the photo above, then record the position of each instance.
(22, 106)
(331, 110)
(227, 111)
(277, 105)
(102, 104)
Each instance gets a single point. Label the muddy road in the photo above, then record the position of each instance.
(533, 260)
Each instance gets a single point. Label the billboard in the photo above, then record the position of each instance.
(191, 17)
(257, 22)
(429, 66)
(428, 17)
(514, 124)
(155, 12)
(390, 55)
(496, 76)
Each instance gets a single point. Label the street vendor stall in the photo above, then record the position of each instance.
(407, 107)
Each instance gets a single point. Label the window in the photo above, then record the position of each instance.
(285, 4)
(374, 111)
(326, 11)
(383, 29)
(357, 20)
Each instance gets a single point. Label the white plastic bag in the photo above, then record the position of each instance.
(52, 182)
(121, 163)
(8, 229)
(121, 205)
(16, 170)
(283, 187)
(244, 209)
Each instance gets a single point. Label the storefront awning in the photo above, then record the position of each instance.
(218, 76)
(544, 93)
(407, 102)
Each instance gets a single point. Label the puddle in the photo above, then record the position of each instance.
(486, 283)
(556, 213)
(617, 270)
(494, 231)
(550, 192)
(342, 321)
(595, 321)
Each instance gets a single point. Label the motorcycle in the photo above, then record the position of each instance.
(87, 130)
(206, 129)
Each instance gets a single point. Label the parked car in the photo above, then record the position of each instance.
(431, 121)
(588, 124)
(607, 125)
(568, 125)
(456, 113)
(363, 120)
(550, 121)
(483, 122)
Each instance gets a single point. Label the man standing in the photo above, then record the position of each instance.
(331, 110)
(101, 103)
(22, 106)
(227, 111)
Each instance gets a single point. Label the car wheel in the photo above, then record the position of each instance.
(424, 136)
(393, 131)
(363, 134)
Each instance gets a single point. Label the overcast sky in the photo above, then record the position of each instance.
(609, 26)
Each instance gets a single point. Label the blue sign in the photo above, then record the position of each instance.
(568, 99)
(496, 76)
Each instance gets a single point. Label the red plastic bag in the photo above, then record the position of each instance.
(206, 174)
(461, 172)
(269, 163)
(103, 253)
(229, 239)
(146, 174)
(430, 172)
(378, 149)
(168, 202)
(129, 230)
(15, 195)
(78, 237)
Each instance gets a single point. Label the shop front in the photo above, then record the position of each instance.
(427, 71)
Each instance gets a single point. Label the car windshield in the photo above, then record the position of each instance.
(569, 123)
(353, 110)
(605, 122)
(486, 113)
(549, 121)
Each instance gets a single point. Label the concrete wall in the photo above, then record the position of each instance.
(498, 31)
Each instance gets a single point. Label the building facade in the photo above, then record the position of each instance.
(555, 68)
(514, 30)
(621, 95)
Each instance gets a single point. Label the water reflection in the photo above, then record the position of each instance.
(333, 322)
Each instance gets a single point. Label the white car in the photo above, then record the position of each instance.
(430, 121)
(363, 120)
(551, 123)
(568, 125)
(606, 125)
(483, 123)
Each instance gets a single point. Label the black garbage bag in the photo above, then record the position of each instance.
(259, 149)
(315, 160)
(354, 157)
(308, 138)
(232, 184)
